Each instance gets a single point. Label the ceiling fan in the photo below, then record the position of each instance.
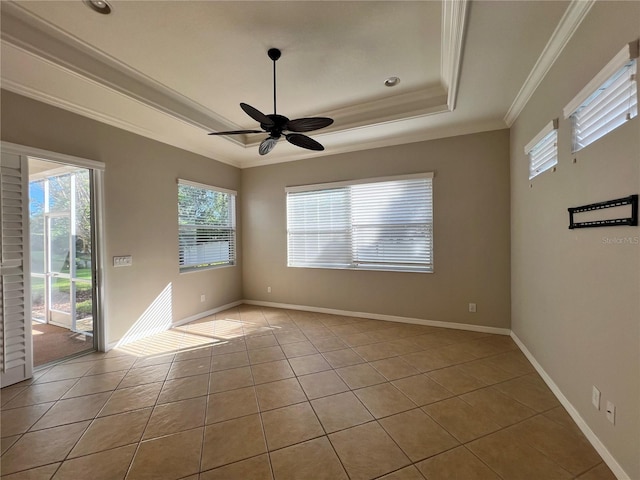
(278, 125)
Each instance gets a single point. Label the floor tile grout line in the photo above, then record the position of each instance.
(39, 466)
(590, 468)
(317, 419)
(97, 416)
(40, 403)
(262, 428)
(528, 444)
(379, 477)
(481, 460)
(544, 453)
(153, 407)
(204, 426)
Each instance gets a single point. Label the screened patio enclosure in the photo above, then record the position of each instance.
(61, 242)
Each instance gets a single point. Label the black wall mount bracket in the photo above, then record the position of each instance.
(618, 202)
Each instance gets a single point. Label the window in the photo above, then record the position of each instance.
(608, 101)
(206, 226)
(543, 150)
(375, 224)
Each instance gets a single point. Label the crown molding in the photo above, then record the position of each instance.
(414, 137)
(404, 105)
(419, 103)
(37, 36)
(454, 21)
(61, 75)
(11, 86)
(36, 94)
(569, 23)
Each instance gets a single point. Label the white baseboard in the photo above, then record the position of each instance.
(177, 323)
(611, 462)
(389, 318)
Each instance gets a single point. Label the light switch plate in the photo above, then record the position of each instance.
(123, 261)
(595, 398)
(611, 412)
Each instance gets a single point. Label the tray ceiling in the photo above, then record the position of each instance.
(174, 71)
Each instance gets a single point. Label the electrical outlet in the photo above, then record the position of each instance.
(595, 397)
(203, 297)
(472, 307)
(268, 289)
(611, 412)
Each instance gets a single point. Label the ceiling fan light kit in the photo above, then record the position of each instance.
(278, 125)
(391, 82)
(100, 6)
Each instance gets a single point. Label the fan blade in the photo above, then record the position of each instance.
(303, 141)
(235, 132)
(308, 124)
(267, 145)
(257, 115)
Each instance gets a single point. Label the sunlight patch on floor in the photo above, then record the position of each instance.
(201, 333)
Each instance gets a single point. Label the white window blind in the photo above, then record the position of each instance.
(608, 101)
(206, 226)
(543, 150)
(377, 224)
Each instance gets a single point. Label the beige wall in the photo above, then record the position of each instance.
(576, 297)
(140, 209)
(471, 233)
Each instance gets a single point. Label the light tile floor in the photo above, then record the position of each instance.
(256, 393)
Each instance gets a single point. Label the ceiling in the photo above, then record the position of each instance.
(174, 71)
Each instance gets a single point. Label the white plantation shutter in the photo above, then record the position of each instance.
(614, 103)
(543, 150)
(376, 224)
(16, 362)
(608, 101)
(206, 226)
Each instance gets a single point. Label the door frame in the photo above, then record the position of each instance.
(99, 253)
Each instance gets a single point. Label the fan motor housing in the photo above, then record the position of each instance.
(279, 122)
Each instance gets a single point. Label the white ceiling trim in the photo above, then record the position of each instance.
(30, 32)
(60, 75)
(38, 94)
(454, 130)
(43, 97)
(454, 18)
(569, 23)
(401, 107)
